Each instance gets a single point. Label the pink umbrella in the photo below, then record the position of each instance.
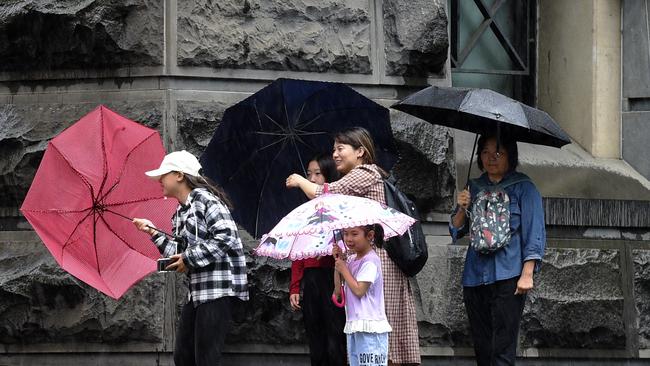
(308, 230)
(90, 181)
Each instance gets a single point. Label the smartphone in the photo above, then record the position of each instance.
(163, 263)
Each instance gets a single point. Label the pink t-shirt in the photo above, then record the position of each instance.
(366, 313)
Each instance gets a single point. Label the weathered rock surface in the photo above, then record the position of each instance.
(578, 302)
(197, 122)
(439, 298)
(267, 318)
(306, 35)
(45, 35)
(416, 40)
(41, 303)
(426, 168)
(25, 130)
(642, 294)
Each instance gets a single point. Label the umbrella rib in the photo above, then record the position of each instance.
(58, 211)
(307, 133)
(286, 113)
(74, 231)
(302, 108)
(383, 222)
(274, 122)
(128, 156)
(259, 198)
(122, 203)
(83, 179)
(105, 164)
(257, 113)
(269, 133)
(303, 142)
(99, 271)
(101, 217)
(273, 143)
(308, 123)
(253, 156)
(295, 146)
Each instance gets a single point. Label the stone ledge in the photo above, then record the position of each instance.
(570, 172)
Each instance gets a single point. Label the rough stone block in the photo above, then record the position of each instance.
(439, 298)
(41, 303)
(426, 169)
(642, 294)
(197, 122)
(416, 39)
(267, 318)
(309, 35)
(577, 303)
(91, 34)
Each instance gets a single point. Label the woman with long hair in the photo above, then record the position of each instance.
(355, 158)
(206, 247)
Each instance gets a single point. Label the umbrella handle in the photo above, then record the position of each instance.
(131, 219)
(471, 160)
(336, 301)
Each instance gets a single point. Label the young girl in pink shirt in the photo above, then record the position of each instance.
(366, 326)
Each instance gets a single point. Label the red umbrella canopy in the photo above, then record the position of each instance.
(91, 179)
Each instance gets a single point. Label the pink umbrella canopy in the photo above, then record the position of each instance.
(308, 231)
(90, 181)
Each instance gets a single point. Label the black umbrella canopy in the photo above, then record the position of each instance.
(483, 111)
(274, 133)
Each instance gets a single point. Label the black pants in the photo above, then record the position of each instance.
(494, 313)
(324, 322)
(201, 332)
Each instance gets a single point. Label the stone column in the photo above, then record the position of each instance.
(579, 71)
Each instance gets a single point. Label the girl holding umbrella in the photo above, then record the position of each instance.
(211, 254)
(354, 155)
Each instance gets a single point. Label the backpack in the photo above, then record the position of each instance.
(408, 251)
(490, 216)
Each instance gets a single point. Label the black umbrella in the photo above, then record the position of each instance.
(273, 133)
(483, 111)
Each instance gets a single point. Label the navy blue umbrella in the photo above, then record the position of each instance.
(273, 133)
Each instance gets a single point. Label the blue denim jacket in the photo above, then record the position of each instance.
(528, 236)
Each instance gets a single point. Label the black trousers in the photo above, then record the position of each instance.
(324, 322)
(201, 332)
(494, 313)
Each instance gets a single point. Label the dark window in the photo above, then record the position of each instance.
(493, 46)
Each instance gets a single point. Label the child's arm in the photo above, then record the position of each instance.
(337, 284)
(357, 288)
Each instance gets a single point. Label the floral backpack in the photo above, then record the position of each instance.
(490, 216)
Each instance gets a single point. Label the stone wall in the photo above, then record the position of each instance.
(176, 66)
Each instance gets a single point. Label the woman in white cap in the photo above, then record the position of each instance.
(208, 249)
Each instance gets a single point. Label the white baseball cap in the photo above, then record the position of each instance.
(178, 161)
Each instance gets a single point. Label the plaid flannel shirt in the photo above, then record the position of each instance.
(213, 252)
(362, 181)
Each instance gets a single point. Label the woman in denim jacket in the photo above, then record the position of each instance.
(495, 284)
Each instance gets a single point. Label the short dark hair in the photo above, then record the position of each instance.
(327, 167)
(505, 141)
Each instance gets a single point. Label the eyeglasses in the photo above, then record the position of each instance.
(490, 154)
